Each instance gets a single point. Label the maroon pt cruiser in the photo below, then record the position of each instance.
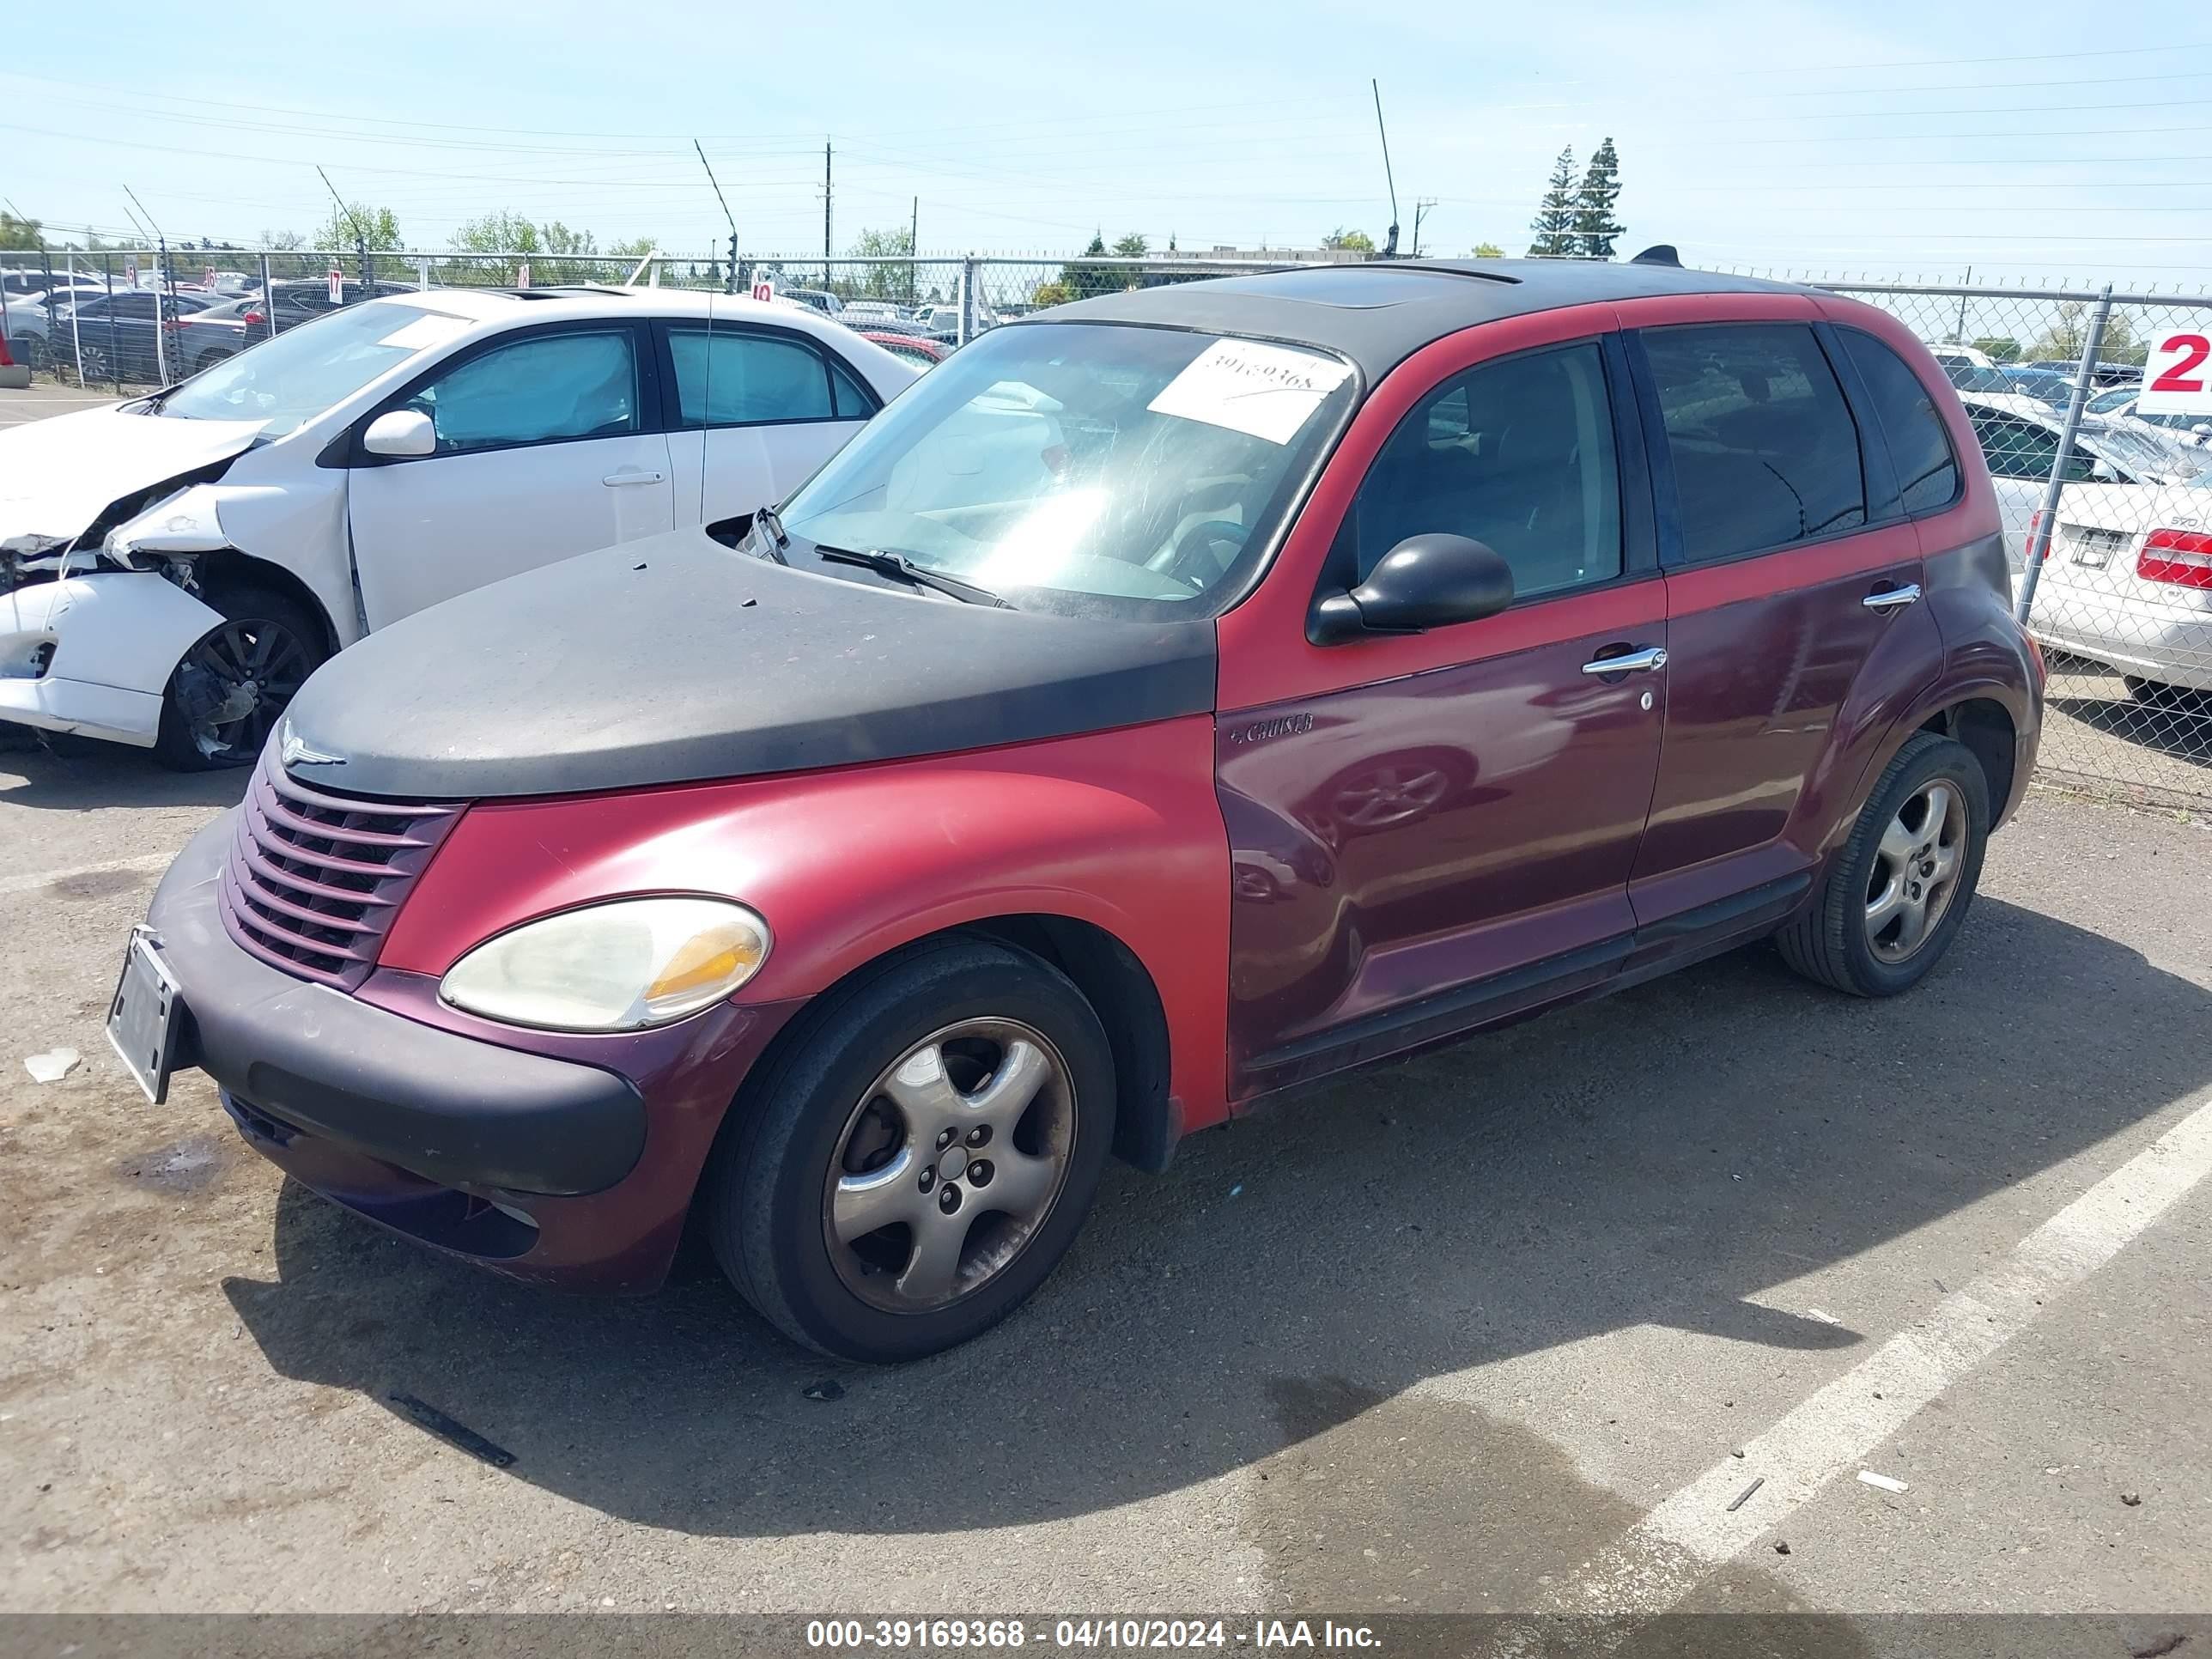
(1172, 698)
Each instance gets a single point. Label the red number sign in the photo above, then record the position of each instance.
(2175, 379)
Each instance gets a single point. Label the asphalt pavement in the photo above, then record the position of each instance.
(1483, 1331)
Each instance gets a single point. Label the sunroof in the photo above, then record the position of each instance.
(1357, 288)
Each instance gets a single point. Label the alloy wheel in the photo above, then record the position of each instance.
(1916, 871)
(949, 1165)
(233, 684)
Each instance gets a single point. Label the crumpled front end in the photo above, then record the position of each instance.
(93, 653)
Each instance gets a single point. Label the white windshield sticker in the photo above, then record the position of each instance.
(1266, 391)
(432, 328)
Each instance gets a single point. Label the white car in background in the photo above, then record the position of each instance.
(171, 568)
(2127, 579)
(2119, 404)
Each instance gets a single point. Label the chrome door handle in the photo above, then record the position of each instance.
(1630, 662)
(1892, 598)
(616, 480)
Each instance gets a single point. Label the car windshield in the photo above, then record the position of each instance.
(295, 376)
(1086, 468)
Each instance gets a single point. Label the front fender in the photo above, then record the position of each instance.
(121, 628)
(298, 525)
(1119, 829)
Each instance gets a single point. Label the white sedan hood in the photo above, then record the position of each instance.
(57, 476)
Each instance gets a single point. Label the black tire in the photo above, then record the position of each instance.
(1830, 942)
(763, 1191)
(29, 351)
(254, 615)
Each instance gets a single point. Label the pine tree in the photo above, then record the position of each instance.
(1554, 224)
(1595, 225)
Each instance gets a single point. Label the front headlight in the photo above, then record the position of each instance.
(615, 967)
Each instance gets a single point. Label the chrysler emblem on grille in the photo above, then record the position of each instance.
(296, 752)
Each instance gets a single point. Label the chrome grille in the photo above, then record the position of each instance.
(315, 876)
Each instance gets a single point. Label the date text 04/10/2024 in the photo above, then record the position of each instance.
(987, 1635)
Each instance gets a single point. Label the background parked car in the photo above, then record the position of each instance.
(28, 327)
(179, 563)
(2127, 580)
(872, 312)
(127, 334)
(814, 299)
(2103, 375)
(921, 350)
(2119, 404)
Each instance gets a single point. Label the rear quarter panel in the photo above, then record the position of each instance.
(1119, 829)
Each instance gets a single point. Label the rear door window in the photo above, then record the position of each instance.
(1919, 448)
(1764, 449)
(732, 377)
(1518, 454)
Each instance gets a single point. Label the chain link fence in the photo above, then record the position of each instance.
(2107, 508)
(2107, 512)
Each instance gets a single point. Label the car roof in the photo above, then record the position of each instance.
(2013, 403)
(1377, 313)
(504, 305)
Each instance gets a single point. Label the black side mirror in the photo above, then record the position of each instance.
(1424, 582)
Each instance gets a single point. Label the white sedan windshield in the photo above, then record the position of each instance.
(1086, 467)
(295, 376)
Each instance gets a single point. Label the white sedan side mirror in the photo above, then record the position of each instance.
(401, 433)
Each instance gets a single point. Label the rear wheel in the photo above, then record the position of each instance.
(920, 1157)
(1899, 887)
(29, 351)
(231, 687)
(92, 365)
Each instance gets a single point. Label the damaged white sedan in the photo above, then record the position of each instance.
(172, 568)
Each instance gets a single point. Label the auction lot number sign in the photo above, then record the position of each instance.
(2177, 376)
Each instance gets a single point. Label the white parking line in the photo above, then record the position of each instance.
(147, 863)
(1663, 1557)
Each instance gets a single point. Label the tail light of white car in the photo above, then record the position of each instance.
(2181, 558)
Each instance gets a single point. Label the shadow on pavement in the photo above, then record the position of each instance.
(76, 774)
(1655, 1158)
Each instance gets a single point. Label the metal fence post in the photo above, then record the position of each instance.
(2046, 517)
(268, 297)
(114, 335)
(967, 329)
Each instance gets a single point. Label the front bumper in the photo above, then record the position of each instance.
(555, 1167)
(93, 654)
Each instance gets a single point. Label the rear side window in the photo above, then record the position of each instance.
(1518, 454)
(1763, 449)
(1927, 470)
(729, 378)
(852, 403)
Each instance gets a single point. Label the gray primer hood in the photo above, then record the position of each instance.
(674, 660)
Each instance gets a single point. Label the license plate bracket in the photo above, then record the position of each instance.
(142, 1016)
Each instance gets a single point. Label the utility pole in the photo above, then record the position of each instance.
(1421, 206)
(825, 213)
(1390, 247)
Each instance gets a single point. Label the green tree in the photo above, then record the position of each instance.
(341, 231)
(1998, 348)
(1356, 241)
(894, 282)
(1082, 282)
(1595, 228)
(1487, 251)
(19, 233)
(1054, 293)
(1554, 224)
(2068, 337)
(1132, 245)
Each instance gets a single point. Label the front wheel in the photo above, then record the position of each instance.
(230, 689)
(1899, 888)
(919, 1157)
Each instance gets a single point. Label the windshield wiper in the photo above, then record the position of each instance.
(901, 569)
(776, 540)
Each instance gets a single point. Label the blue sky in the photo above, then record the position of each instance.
(1879, 137)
